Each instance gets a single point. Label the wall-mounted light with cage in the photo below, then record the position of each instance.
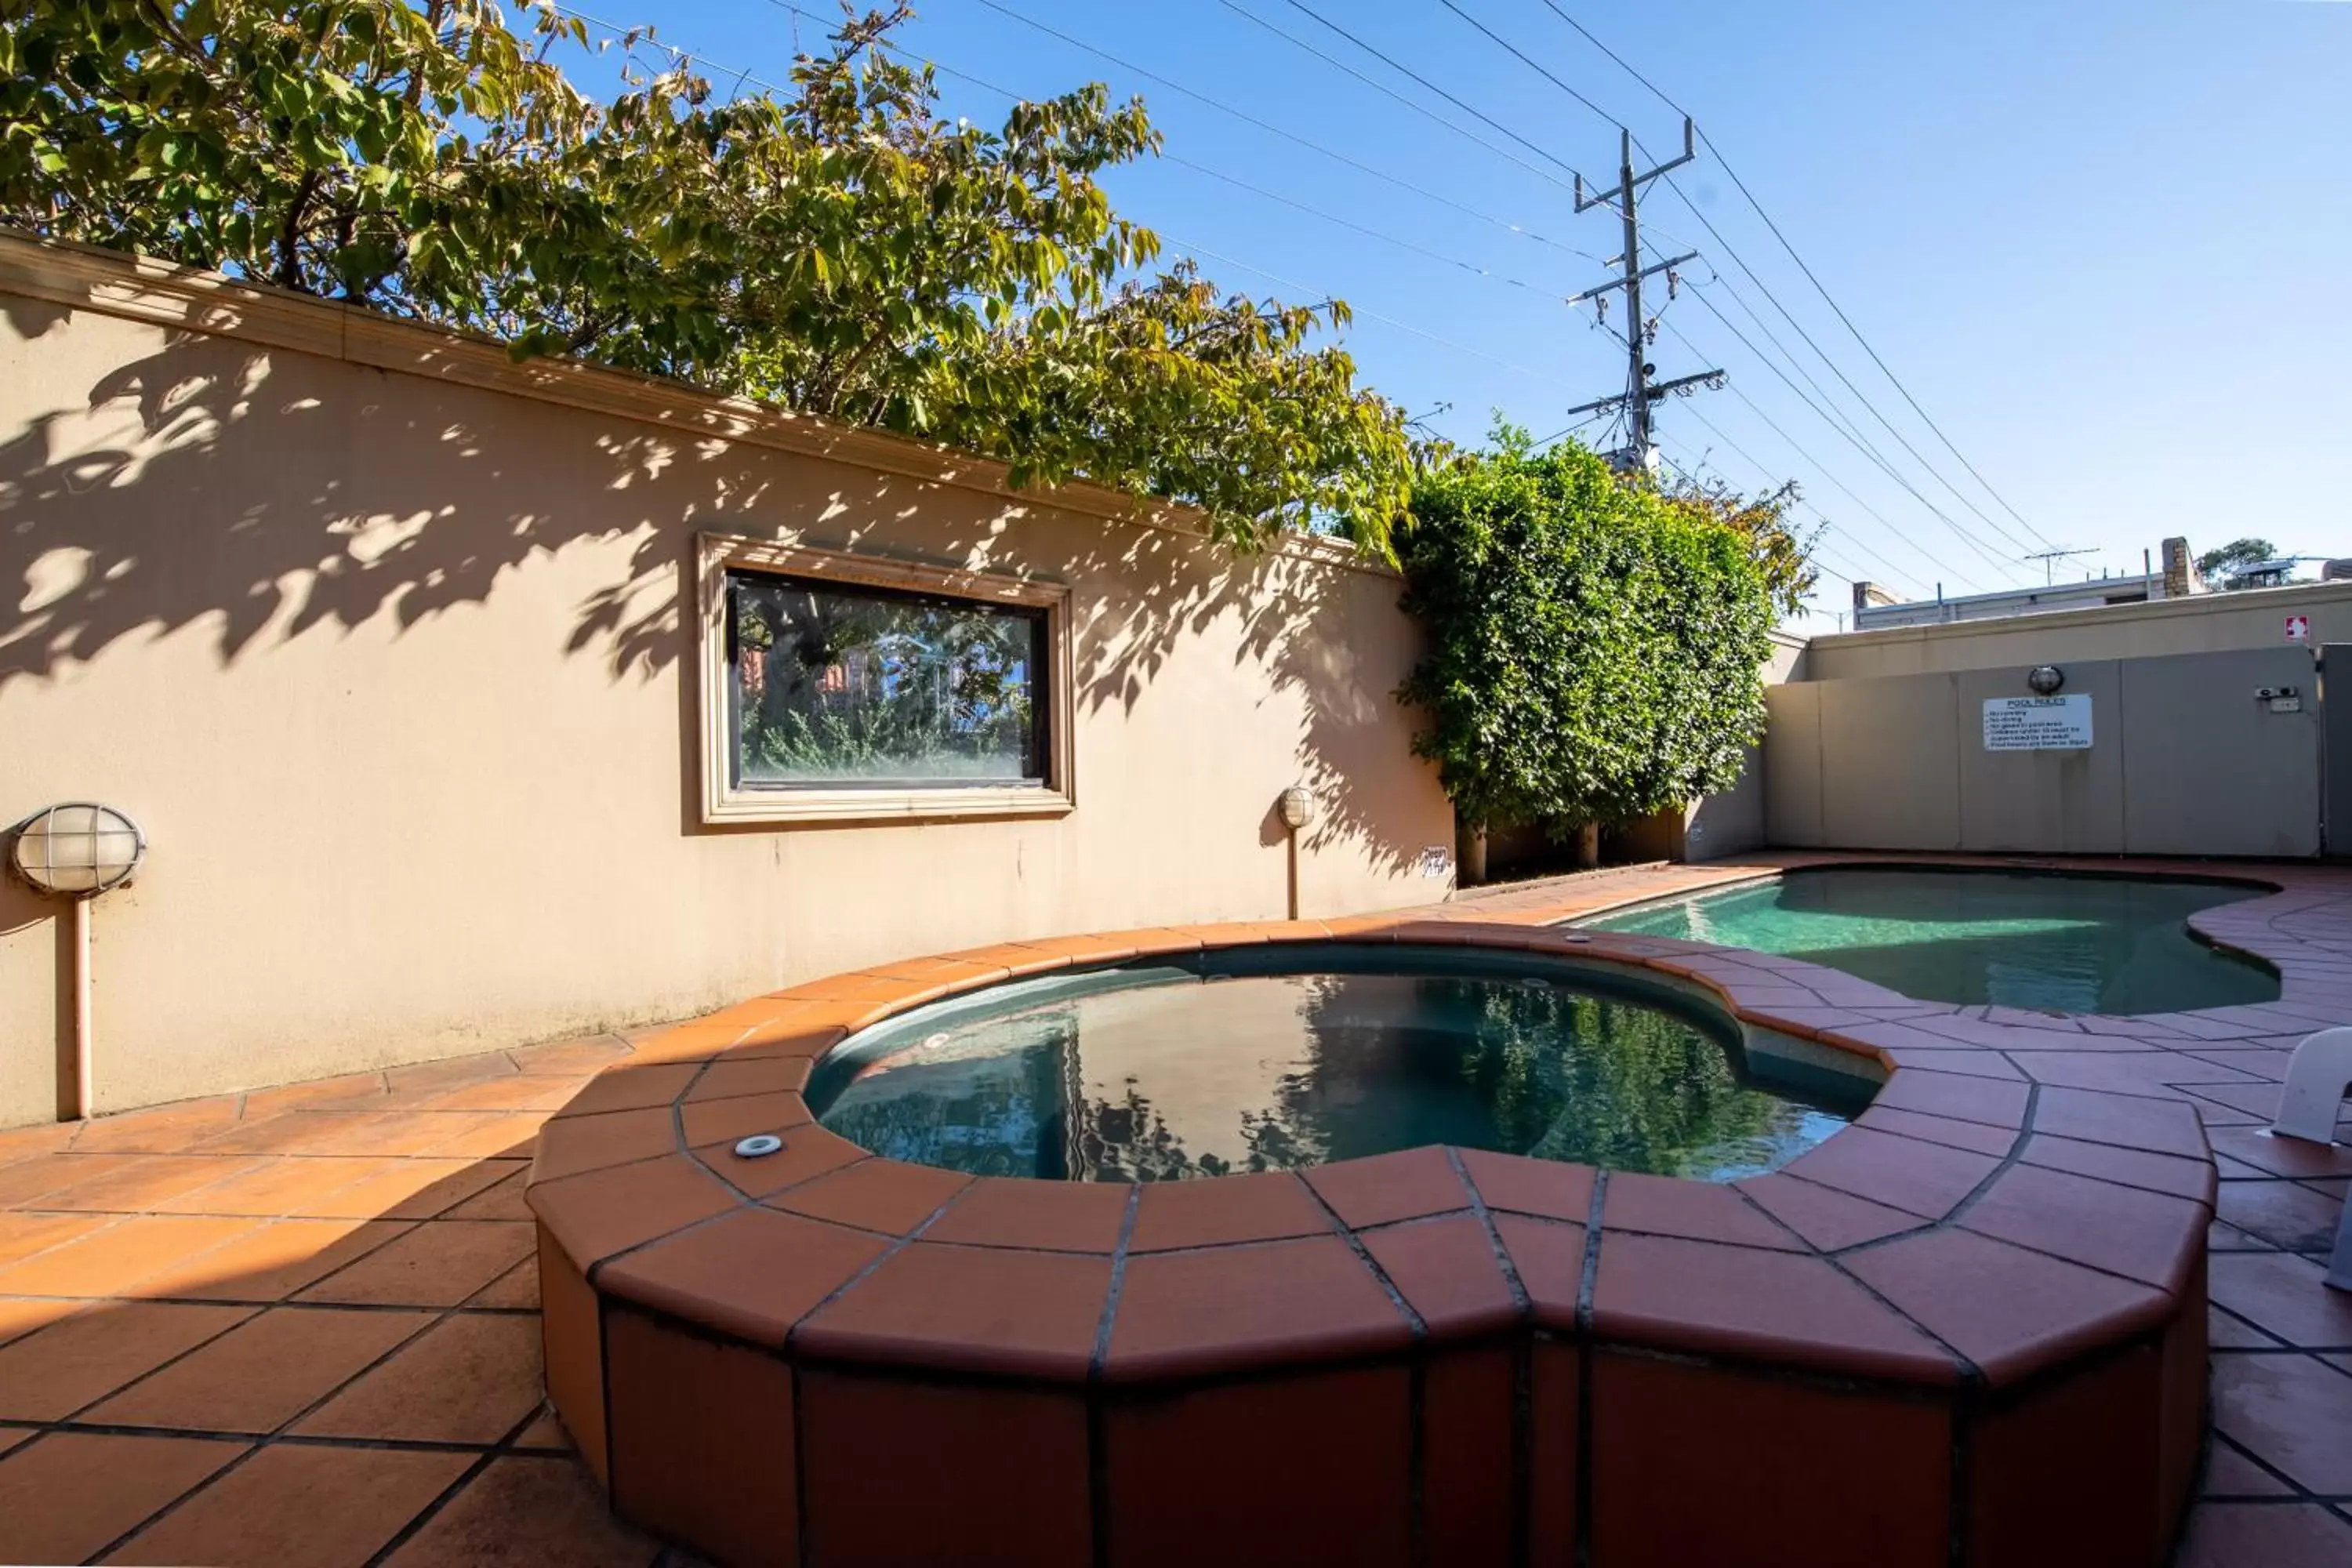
(76, 851)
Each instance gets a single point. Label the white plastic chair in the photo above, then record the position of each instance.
(2318, 1076)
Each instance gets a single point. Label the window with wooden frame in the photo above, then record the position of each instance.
(846, 687)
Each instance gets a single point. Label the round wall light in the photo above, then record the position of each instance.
(77, 849)
(1297, 806)
(2045, 679)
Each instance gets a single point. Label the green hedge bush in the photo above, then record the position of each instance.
(1595, 649)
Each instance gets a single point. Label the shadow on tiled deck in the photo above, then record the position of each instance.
(293, 1327)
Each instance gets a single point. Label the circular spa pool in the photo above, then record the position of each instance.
(2058, 941)
(1238, 1061)
(775, 1343)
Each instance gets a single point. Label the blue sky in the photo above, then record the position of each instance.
(2099, 241)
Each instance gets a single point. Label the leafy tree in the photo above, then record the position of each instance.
(1594, 647)
(1782, 553)
(839, 249)
(2235, 557)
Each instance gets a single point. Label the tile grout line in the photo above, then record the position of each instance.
(83, 1304)
(1588, 1283)
(1522, 1478)
(1416, 1380)
(1414, 1323)
(284, 1440)
(1098, 1501)
(466, 1477)
(258, 1443)
(2299, 1491)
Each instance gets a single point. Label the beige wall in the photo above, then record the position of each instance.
(1738, 820)
(2206, 623)
(2184, 761)
(390, 664)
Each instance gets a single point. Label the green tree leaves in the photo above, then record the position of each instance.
(839, 249)
(1595, 649)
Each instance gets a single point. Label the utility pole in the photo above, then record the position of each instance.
(2050, 559)
(1641, 393)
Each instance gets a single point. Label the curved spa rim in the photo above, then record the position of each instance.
(1968, 1328)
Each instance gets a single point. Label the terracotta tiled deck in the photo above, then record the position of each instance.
(299, 1326)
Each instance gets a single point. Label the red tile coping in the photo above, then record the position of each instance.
(1991, 1265)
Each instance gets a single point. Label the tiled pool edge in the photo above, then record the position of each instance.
(1450, 1355)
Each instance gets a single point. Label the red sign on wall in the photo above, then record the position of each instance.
(2298, 629)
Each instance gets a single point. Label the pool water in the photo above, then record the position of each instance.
(1165, 1074)
(2035, 940)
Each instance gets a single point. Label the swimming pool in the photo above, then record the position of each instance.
(2058, 941)
(1247, 1061)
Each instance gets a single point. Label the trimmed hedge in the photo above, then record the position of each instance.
(1595, 650)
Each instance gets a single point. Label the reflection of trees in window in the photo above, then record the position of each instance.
(834, 683)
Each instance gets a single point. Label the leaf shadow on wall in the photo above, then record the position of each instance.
(253, 495)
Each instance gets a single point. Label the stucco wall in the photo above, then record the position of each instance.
(1737, 820)
(2184, 761)
(395, 672)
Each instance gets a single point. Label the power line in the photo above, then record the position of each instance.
(1816, 558)
(1827, 410)
(1795, 363)
(1234, 180)
(1563, 434)
(1818, 287)
(1273, 130)
(1380, 86)
(1892, 570)
(1612, 53)
(1531, 64)
(1994, 559)
(1998, 561)
(1368, 315)
(632, 37)
(1843, 380)
(683, 55)
(1405, 70)
(1954, 573)
(1349, 223)
(1846, 321)
(1771, 476)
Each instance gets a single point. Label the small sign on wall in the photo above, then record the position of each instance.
(1436, 861)
(2298, 629)
(2037, 723)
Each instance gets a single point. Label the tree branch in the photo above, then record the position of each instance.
(289, 234)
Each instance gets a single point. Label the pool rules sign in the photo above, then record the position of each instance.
(2037, 723)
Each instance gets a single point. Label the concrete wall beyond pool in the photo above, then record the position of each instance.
(2186, 755)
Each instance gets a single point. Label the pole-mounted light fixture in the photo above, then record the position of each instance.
(1297, 808)
(76, 851)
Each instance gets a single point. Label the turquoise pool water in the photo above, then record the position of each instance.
(1166, 1073)
(2067, 943)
